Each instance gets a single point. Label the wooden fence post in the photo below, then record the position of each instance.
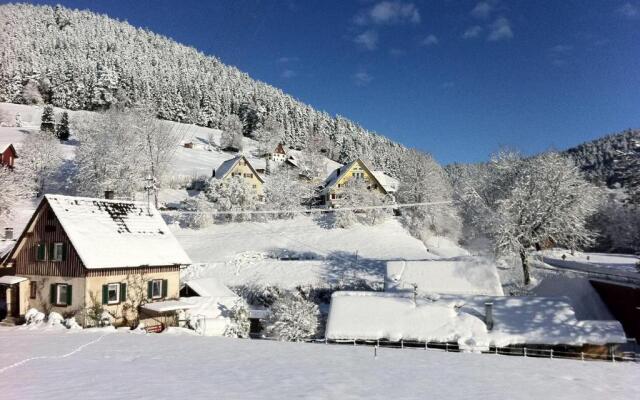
(525, 351)
(551, 353)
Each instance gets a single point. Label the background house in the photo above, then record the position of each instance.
(8, 154)
(79, 255)
(241, 167)
(341, 176)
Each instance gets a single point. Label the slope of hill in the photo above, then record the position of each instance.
(597, 157)
(79, 60)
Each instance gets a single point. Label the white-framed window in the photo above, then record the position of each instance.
(62, 291)
(156, 289)
(113, 293)
(58, 252)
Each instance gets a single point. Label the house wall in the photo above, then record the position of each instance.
(42, 302)
(253, 181)
(46, 228)
(136, 287)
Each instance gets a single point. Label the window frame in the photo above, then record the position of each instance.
(153, 283)
(58, 255)
(62, 303)
(109, 287)
(33, 289)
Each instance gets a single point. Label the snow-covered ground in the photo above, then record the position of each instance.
(619, 265)
(62, 365)
(301, 251)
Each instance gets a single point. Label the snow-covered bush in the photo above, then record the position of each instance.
(70, 323)
(239, 321)
(40, 159)
(356, 194)
(292, 318)
(233, 194)
(231, 138)
(283, 191)
(258, 295)
(33, 317)
(202, 209)
(55, 319)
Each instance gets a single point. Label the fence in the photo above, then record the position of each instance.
(518, 351)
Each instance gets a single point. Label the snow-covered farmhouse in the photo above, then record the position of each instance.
(356, 170)
(8, 154)
(79, 254)
(240, 167)
(459, 276)
(278, 155)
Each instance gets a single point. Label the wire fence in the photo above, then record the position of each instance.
(516, 351)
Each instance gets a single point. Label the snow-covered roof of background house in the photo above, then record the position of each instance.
(517, 320)
(223, 169)
(116, 233)
(389, 183)
(209, 287)
(5, 145)
(460, 275)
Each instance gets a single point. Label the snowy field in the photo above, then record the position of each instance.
(53, 365)
(301, 251)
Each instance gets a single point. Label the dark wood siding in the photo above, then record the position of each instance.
(131, 271)
(46, 229)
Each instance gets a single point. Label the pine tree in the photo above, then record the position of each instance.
(62, 130)
(48, 123)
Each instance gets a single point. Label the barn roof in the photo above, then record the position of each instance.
(461, 319)
(460, 275)
(116, 233)
(6, 145)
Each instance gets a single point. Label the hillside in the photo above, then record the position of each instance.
(597, 157)
(79, 60)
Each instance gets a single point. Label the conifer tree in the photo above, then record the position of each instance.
(62, 131)
(48, 123)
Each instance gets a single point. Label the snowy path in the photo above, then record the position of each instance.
(171, 367)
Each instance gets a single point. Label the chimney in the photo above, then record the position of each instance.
(488, 315)
(108, 194)
(8, 233)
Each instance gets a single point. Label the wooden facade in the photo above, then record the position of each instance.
(8, 156)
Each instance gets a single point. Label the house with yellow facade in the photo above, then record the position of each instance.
(240, 166)
(355, 170)
(79, 256)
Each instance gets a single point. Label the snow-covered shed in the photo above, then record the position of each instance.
(76, 251)
(7, 154)
(460, 275)
(464, 320)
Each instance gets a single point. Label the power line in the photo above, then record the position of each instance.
(309, 210)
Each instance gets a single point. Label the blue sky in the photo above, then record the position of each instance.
(458, 79)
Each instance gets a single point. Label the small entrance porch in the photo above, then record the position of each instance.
(13, 298)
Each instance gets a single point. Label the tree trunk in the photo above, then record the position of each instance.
(525, 267)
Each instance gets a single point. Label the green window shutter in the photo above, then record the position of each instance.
(105, 294)
(50, 251)
(64, 252)
(52, 293)
(123, 292)
(164, 287)
(40, 253)
(150, 289)
(69, 295)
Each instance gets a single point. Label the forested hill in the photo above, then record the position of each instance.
(597, 158)
(82, 60)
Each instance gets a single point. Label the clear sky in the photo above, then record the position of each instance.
(455, 78)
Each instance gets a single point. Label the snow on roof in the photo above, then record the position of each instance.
(517, 320)
(389, 183)
(461, 275)
(211, 307)
(5, 145)
(168, 305)
(209, 287)
(117, 233)
(10, 279)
